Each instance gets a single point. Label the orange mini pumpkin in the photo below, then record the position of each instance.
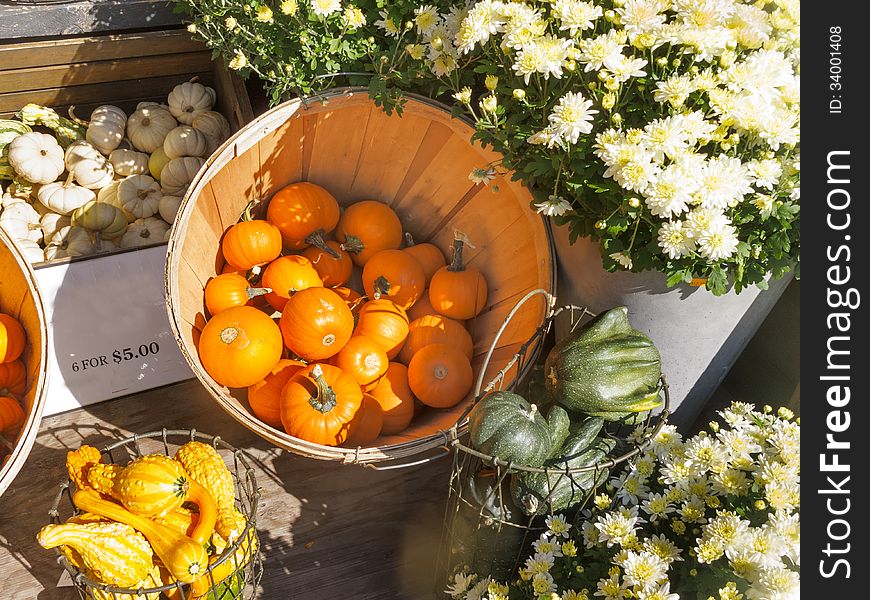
(422, 307)
(457, 291)
(287, 275)
(396, 399)
(229, 290)
(353, 298)
(13, 377)
(428, 255)
(12, 338)
(318, 403)
(436, 329)
(304, 213)
(239, 346)
(11, 415)
(265, 396)
(316, 323)
(440, 375)
(332, 271)
(394, 275)
(249, 244)
(366, 228)
(363, 359)
(385, 323)
(366, 425)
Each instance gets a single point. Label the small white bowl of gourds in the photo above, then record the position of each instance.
(114, 181)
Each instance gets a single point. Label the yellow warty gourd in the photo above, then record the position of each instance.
(79, 462)
(205, 466)
(152, 580)
(110, 553)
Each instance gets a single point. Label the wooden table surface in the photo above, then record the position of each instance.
(327, 530)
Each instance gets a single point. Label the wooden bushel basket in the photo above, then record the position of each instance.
(419, 164)
(19, 298)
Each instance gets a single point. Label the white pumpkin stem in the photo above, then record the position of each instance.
(72, 115)
(254, 292)
(409, 240)
(229, 335)
(440, 372)
(532, 411)
(69, 179)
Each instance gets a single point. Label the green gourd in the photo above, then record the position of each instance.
(605, 367)
(557, 491)
(505, 426)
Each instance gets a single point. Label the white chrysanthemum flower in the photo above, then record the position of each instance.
(641, 16)
(387, 24)
(638, 172)
(738, 443)
(751, 25)
(666, 137)
(766, 546)
(482, 22)
(614, 528)
(543, 584)
(693, 510)
(674, 90)
(770, 471)
(707, 454)
(662, 592)
(622, 259)
(524, 24)
(622, 68)
(777, 583)
(782, 129)
(728, 528)
(554, 206)
(443, 64)
(670, 194)
(558, 526)
(572, 116)
(706, 43)
(788, 526)
(741, 562)
(540, 562)
(782, 497)
(595, 51)
(718, 243)
(591, 537)
(529, 60)
(478, 590)
(545, 545)
(630, 487)
(724, 182)
(643, 569)
(425, 18)
(666, 441)
(610, 588)
(555, 51)
(674, 240)
(460, 585)
(324, 8)
(354, 17)
(664, 548)
(731, 482)
(576, 16)
(481, 176)
(546, 137)
(657, 507)
(453, 19)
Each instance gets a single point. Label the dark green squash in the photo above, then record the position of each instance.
(605, 367)
(505, 426)
(557, 491)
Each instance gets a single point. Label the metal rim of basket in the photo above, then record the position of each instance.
(650, 431)
(249, 488)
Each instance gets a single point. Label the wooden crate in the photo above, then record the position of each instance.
(122, 69)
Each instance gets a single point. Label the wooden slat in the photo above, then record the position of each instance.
(281, 157)
(104, 71)
(335, 153)
(84, 96)
(21, 55)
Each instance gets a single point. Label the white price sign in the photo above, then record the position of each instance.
(111, 334)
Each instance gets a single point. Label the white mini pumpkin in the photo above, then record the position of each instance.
(168, 208)
(178, 173)
(104, 219)
(106, 128)
(167, 235)
(185, 141)
(52, 222)
(94, 174)
(148, 126)
(215, 127)
(80, 150)
(69, 241)
(102, 245)
(21, 221)
(64, 197)
(148, 104)
(129, 162)
(31, 250)
(188, 100)
(37, 157)
(139, 195)
(142, 232)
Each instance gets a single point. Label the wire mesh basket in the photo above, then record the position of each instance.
(490, 524)
(238, 582)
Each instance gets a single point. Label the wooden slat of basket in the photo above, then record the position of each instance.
(36, 78)
(20, 298)
(335, 152)
(66, 51)
(86, 97)
(281, 156)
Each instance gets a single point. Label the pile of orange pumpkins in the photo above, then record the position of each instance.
(339, 365)
(13, 378)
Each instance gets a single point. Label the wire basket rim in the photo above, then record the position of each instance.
(248, 532)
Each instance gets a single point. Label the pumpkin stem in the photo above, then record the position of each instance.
(316, 239)
(72, 115)
(409, 240)
(324, 401)
(353, 245)
(98, 241)
(440, 372)
(246, 214)
(69, 179)
(532, 412)
(382, 287)
(229, 335)
(456, 265)
(254, 292)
